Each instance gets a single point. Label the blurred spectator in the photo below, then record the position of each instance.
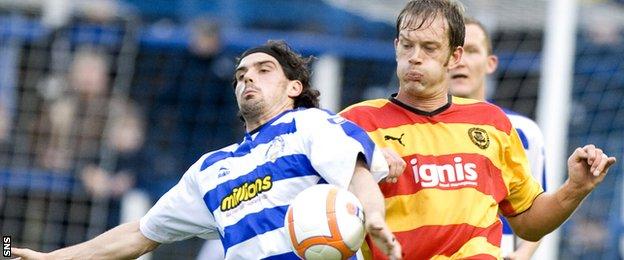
(77, 109)
(205, 40)
(102, 11)
(603, 26)
(85, 121)
(124, 138)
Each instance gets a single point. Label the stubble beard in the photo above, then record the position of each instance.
(252, 109)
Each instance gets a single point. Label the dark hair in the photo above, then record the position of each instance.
(418, 12)
(295, 67)
(488, 41)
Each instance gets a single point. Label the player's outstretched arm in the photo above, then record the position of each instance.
(366, 190)
(122, 242)
(587, 167)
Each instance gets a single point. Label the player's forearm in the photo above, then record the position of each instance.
(548, 212)
(364, 187)
(122, 242)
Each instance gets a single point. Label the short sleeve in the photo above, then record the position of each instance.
(523, 188)
(180, 214)
(333, 144)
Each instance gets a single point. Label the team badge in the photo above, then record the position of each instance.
(223, 172)
(276, 147)
(479, 137)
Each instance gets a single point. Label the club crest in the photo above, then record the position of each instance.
(479, 137)
(276, 147)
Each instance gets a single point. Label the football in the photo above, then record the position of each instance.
(325, 222)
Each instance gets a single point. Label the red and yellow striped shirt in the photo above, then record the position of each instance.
(465, 164)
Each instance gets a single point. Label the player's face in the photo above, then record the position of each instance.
(261, 86)
(468, 77)
(423, 58)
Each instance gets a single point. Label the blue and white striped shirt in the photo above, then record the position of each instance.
(240, 193)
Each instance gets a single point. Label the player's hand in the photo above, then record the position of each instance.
(27, 254)
(396, 164)
(587, 167)
(384, 239)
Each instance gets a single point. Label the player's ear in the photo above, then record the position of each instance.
(396, 45)
(294, 88)
(492, 63)
(456, 57)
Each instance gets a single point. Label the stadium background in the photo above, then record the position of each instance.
(72, 158)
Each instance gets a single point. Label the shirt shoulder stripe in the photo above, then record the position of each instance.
(246, 146)
(479, 113)
(391, 115)
(362, 137)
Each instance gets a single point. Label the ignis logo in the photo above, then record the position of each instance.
(445, 175)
